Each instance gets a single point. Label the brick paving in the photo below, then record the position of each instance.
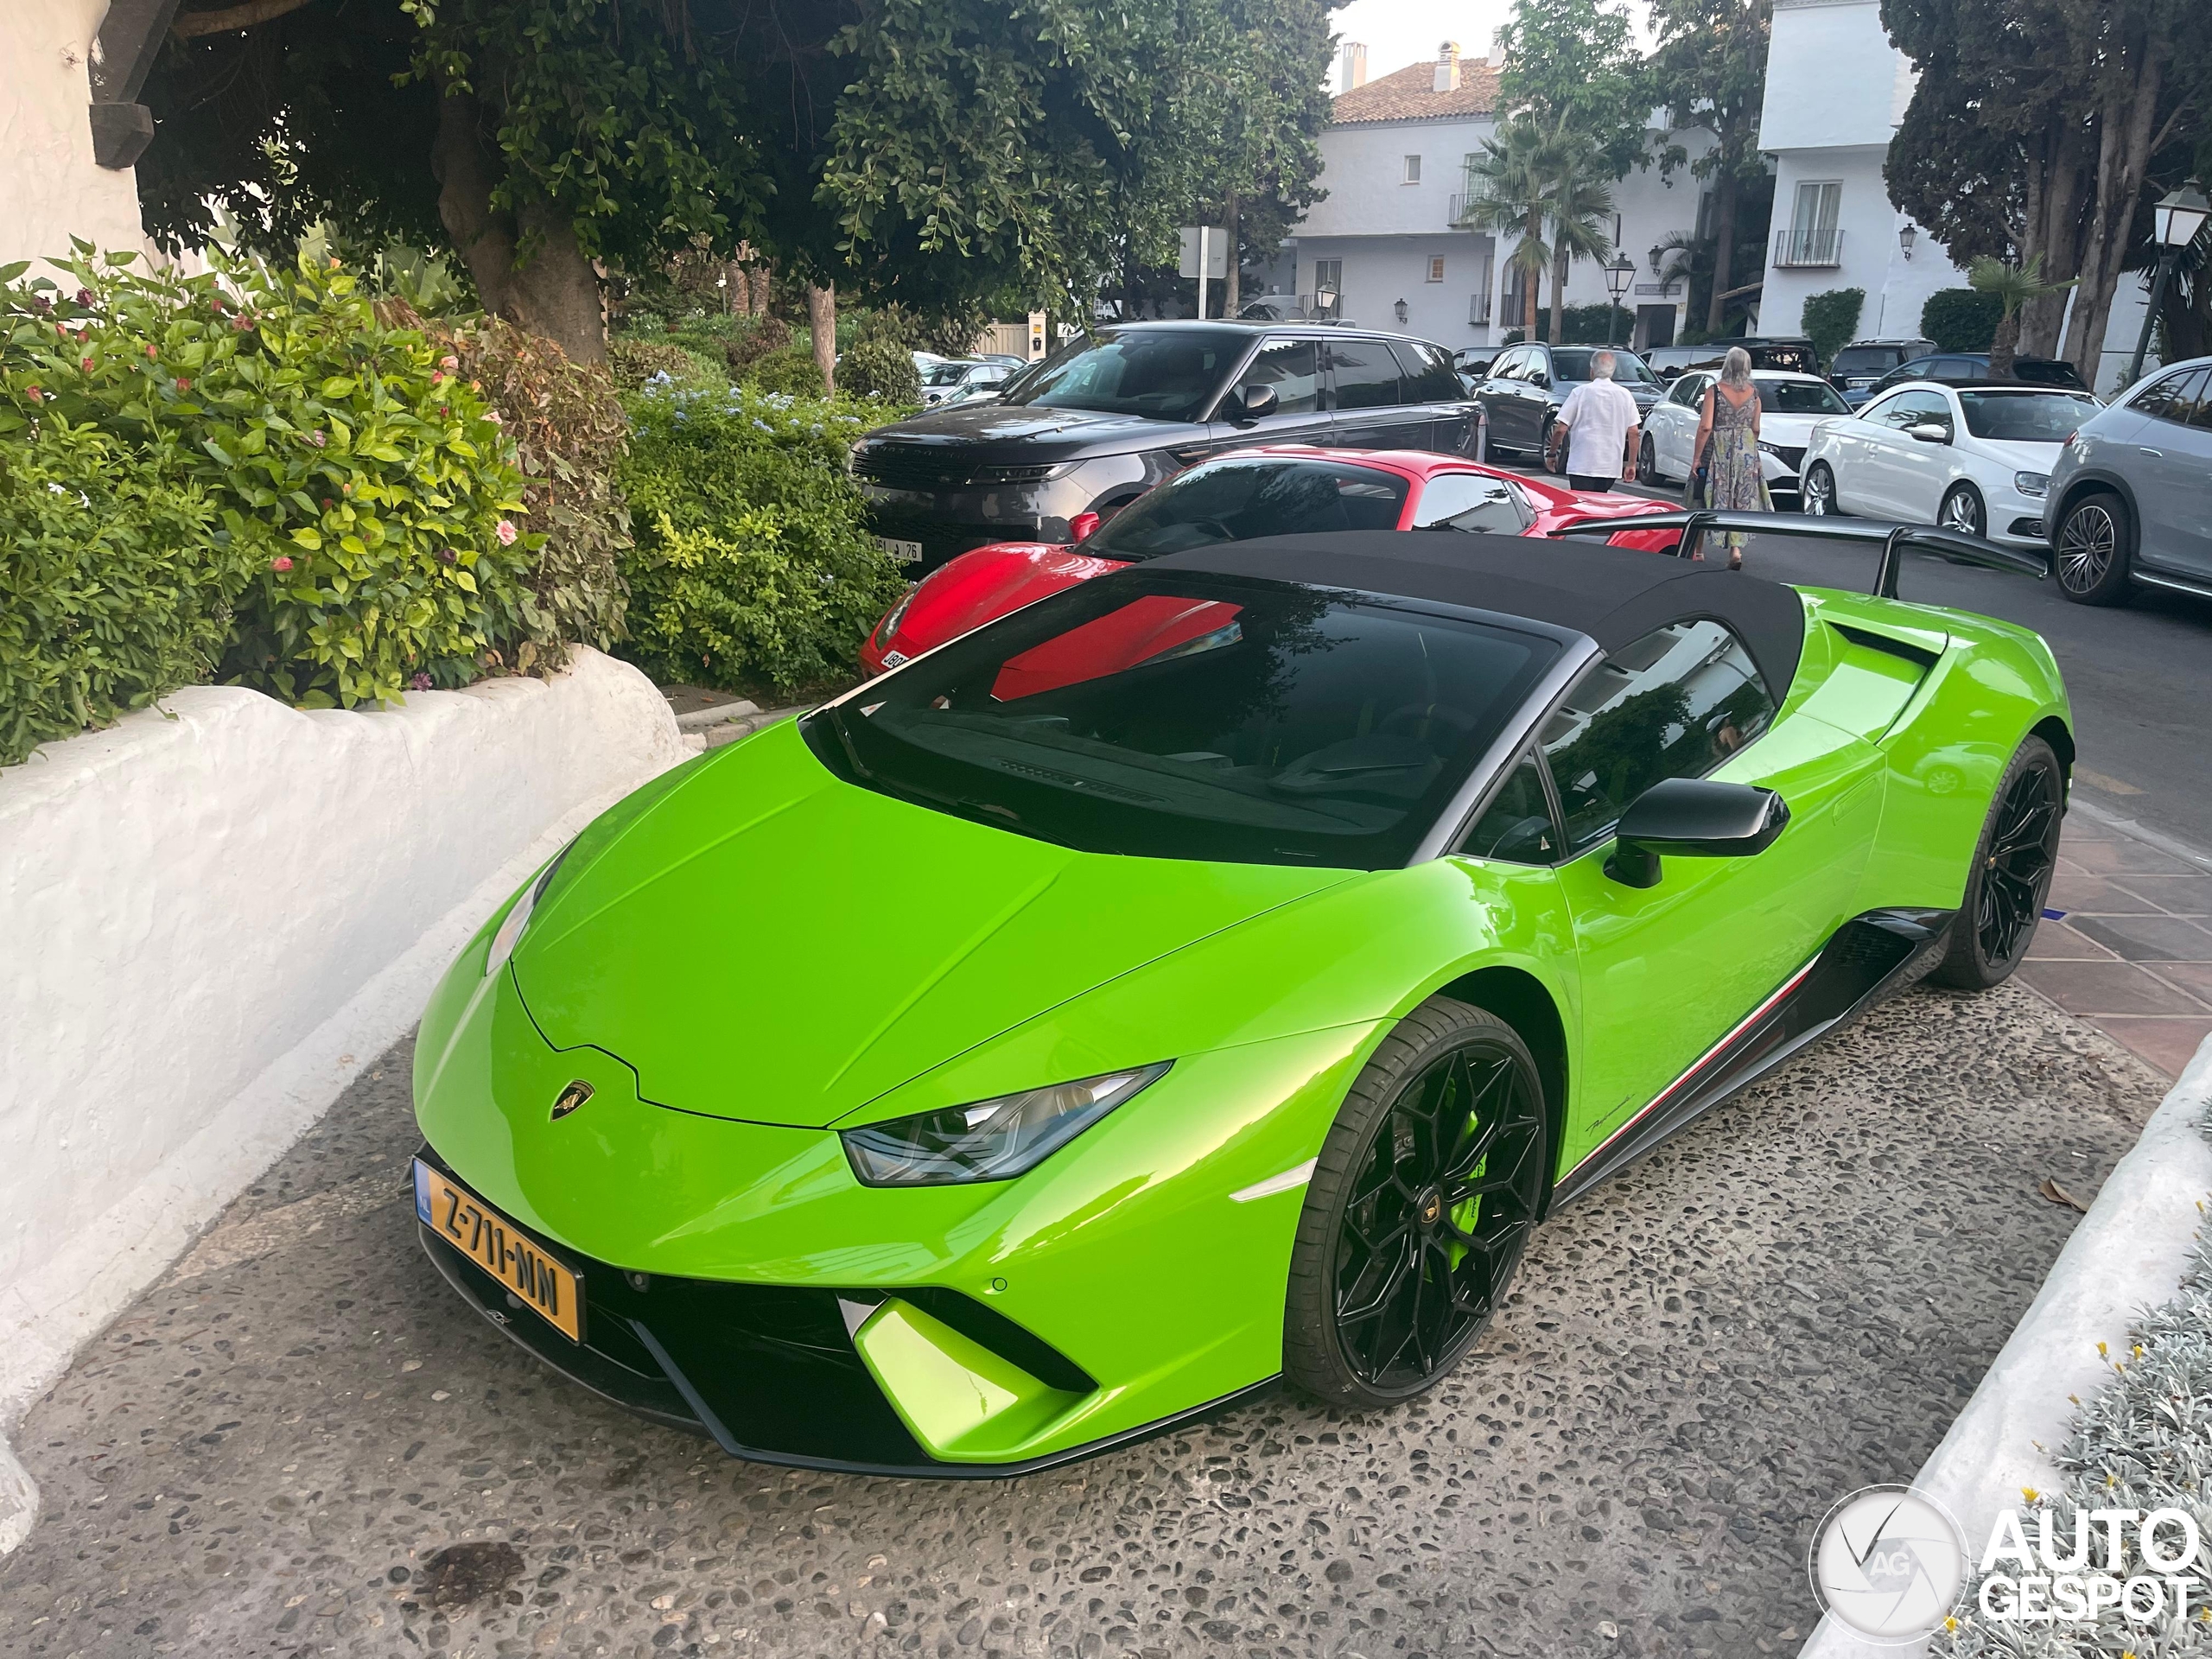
(2126, 939)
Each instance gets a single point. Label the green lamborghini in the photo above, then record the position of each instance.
(1206, 977)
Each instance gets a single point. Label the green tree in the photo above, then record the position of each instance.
(1580, 210)
(2013, 286)
(1572, 65)
(1709, 74)
(1509, 192)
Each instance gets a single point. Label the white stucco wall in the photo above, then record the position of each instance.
(215, 917)
(1832, 77)
(50, 187)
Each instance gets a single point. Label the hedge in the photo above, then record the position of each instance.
(754, 563)
(1961, 320)
(1831, 320)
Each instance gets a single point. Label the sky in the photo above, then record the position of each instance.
(1400, 32)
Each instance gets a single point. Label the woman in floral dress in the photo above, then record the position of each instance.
(1727, 447)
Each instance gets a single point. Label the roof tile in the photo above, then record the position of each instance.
(1410, 94)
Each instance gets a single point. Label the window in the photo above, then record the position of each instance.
(2174, 399)
(1436, 268)
(1366, 374)
(1690, 391)
(2026, 417)
(1293, 368)
(1517, 826)
(1175, 715)
(1430, 378)
(1674, 704)
(1910, 409)
(1473, 502)
(1799, 397)
(1329, 287)
(1506, 365)
(1814, 238)
(1169, 377)
(1413, 170)
(1237, 500)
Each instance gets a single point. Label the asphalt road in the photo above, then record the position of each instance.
(300, 1443)
(2140, 675)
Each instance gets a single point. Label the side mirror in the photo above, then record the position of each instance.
(1929, 432)
(1693, 818)
(1081, 526)
(1257, 403)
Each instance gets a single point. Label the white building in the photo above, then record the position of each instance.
(1836, 91)
(70, 124)
(1394, 163)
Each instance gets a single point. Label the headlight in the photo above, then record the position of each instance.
(518, 916)
(1769, 449)
(2034, 484)
(894, 616)
(993, 1140)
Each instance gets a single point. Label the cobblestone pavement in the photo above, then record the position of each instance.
(269, 1453)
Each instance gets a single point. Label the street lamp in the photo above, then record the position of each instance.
(2178, 217)
(1399, 307)
(1905, 237)
(1618, 276)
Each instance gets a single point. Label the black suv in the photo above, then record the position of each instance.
(1959, 368)
(1787, 353)
(1527, 383)
(1113, 413)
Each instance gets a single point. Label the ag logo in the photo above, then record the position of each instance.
(571, 1097)
(1888, 1563)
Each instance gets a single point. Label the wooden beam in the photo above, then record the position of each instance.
(191, 24)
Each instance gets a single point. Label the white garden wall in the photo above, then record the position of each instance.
(211, 917)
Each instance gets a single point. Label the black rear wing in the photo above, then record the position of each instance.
(1698, 523)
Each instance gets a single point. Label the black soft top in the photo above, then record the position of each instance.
(1615, 595)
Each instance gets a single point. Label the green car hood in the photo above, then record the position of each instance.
(767, 942)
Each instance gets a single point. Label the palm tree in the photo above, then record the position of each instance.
(1508, 190)
(2016, 286)
(1581, 211)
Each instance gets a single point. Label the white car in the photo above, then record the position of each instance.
(1975, 458)
(1790, 406)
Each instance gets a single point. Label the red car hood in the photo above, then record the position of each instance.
(986, 583)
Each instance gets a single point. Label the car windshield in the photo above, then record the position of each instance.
(1170, 713)
(1573, 363)
(1240, 500)
(1867, 360)
(1171, 375)
(944, 374)
(1800, 398)
(2025, 416)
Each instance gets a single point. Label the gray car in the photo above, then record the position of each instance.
(2131, 497)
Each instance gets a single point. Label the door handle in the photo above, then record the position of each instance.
(2155, 454)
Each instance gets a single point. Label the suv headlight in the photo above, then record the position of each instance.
(993, 1140)
(2034, 484)
(517, 916)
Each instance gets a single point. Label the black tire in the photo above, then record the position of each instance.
(2011, 874)
(1962, 508)
(1542, 458)
(2095, 548)
(1380, 1307)
(1818, 499)
(1647, 462)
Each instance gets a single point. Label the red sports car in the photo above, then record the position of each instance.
(1277, 491)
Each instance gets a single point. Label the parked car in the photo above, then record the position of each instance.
(1473, 362)
(1860, 365)
(1276, 490)
(1791, 406)
(2131, 495)
(957, 378)
(1788, 354)
(1529, 383)
(1976, 458)
(1111, 415)
(1964, 368)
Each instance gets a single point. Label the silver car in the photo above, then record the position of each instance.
(2131, 497)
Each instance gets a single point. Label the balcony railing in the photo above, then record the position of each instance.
(1799, 249)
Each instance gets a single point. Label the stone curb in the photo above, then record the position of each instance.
(2127, 1255)
(714, 714)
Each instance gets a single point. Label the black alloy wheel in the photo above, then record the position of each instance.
(1419, 1208)
(1647, 462)
(2011, 877)
(2093, 551)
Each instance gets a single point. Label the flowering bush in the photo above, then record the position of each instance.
(352, 470)
(753, 564)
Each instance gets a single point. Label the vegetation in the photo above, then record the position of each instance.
(882, 369)
(753, 565)
(1709, 74)
(1832, 320)
(1509, 193)
(1573, 65)
(2013, 286)
(1960, 320)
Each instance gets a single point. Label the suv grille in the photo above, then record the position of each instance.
(908, 467)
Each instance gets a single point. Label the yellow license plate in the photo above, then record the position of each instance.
(502, 1249)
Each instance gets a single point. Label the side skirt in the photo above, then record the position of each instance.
(1867, 958)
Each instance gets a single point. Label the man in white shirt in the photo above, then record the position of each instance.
(1600, 420)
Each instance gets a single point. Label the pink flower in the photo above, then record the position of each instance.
(149, 348)
(183, 385)
(436, 378)
(507, 533)
(447, 556)
(317, 439)
(84, 296)
(449, 364)
(33, 393)
(88, 366)
(280, 563)
(419, 682)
